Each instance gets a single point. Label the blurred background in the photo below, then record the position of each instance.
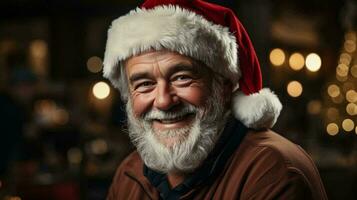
(62, 130)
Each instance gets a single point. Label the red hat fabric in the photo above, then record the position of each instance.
(204, 31)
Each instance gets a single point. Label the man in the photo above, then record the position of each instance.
(197, 112)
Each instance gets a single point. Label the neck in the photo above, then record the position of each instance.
(175, 179)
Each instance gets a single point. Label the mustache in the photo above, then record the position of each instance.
(183, 110)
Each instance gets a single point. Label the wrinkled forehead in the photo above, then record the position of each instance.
(164, 58)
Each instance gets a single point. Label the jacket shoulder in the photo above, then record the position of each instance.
(272, 162)
(278, 146)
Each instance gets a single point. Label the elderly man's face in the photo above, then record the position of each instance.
(176, 110)
(165, 81)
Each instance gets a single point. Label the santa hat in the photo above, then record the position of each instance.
(206, 32)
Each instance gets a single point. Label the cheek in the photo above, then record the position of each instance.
(195, 95)
(141, 103)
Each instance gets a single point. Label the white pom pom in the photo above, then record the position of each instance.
(258, 110)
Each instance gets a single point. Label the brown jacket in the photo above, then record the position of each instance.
(265, 166)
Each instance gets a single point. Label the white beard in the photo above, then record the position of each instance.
(195, 141)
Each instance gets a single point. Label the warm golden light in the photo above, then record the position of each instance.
(277, 57)
(345, 58)
(341, 78)
(101, 90)
(313, 62)
(351, 96)
(332, 114)
(61, 117)
(351, 35)
(350, 46)
(333, 90)
(348, 125)
(348, 86)
(94, 64)
(354, 71)
(351, 109)
(338, 99)
(12, 198)
(294, 89)
(314, 107)
(296, 61)
(342, 70)
(332, 129)
(99, 146)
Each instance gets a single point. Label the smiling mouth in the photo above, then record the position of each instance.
(174, 120)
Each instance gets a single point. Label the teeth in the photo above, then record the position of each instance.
(167, 121)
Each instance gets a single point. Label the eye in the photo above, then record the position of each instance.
(144, 86)
(181, 80)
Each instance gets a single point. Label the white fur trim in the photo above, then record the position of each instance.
(258, 110)
(173, 28)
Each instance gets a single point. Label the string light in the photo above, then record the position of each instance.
(101, 90)
(333, 90)
(345, 58)
(350, 46)
(294, 89)
(94, 64)
(351, 96)
(348, 125)
(332, 129)
(341, 78)
(313, 62)
(296, 61)
(277, 57)
(351, 109)
(342, 70)
(354, 71)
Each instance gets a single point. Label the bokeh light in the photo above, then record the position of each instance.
(354, 71)
(351, 35)
(333, 90)
(350, 46)
(339, 99)
(294, 89)
(348, 86)
(314, 107)
(348, 125)
(313, 62)
(332, 129)
(341, 78)
(94, 64)
(277, 57)
(99, 146)
(332, 114)
(351, 96)
(101, 90)
(345, 58)
(296, 61)
(351, 109)
(342, 70)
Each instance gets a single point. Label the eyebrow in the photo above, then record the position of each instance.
(178, 67)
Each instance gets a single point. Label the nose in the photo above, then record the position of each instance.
(165, 97)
